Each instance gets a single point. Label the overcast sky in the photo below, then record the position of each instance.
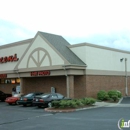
(102, 22)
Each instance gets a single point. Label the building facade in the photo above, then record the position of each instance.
(48, 61)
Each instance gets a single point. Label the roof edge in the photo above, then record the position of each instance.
(16, 43)
(97, 46)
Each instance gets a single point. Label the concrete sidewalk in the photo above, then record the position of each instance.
(123, 102)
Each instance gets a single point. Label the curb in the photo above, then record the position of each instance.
(120, 100)
(70, 110)
(58, 111)
(79, 109)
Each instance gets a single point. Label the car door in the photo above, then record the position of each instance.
(54, 97)
(60, 96)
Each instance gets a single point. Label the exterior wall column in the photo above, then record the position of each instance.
(70, 86)
(21, 86)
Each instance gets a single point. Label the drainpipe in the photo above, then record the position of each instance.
(67, 81)
(126, 82)
(126, 85)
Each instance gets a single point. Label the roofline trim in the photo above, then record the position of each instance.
(16, 43)
(98, 46)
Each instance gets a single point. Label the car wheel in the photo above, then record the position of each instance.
(39, 106)
(49, 104)
(10, 103)
(24, 105)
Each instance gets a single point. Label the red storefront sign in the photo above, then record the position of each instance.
(3, 75)
(9, 58)
(40, 73)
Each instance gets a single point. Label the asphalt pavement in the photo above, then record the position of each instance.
(125, 100)
(103, 117)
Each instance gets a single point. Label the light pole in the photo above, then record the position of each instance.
(126, 85)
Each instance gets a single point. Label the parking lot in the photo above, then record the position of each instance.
(16, 117)
(10, 114)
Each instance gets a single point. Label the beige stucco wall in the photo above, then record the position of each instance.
(19, 50)
(40, 43)
(98, 58)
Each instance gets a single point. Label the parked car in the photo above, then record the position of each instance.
(13, 99)
(3, 95)
(46, 99)
(28, 99)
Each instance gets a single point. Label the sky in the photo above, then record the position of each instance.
(100, 22)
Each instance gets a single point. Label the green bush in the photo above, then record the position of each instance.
(102, 95)
(92, 101)
(73, 103)
(79, 102)
(119, 94)
(88, 101)
(113, 94)
(56, 104)
(85, 101)
(63, 103)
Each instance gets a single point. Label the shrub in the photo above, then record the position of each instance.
(102, 95)
(92, 101)
(113, 94)
(119, 94)
(67, 104)
(73, 103)
(79, 102)
(63, 103)
(88, 101)
(56, 104)
(85, 101)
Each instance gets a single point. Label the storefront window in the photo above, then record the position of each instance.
(10, 81)
(17, 80)
(2, 81)
(7, 81)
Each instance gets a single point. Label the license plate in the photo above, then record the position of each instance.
(37, 100)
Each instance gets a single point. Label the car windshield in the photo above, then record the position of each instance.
(45, 95)
(29, 95)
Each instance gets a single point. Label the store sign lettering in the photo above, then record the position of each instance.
(40, 73)
(3, 75)
(9, 58)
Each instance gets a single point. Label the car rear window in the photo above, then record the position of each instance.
(16, 95)
(45, 95)
(59, 95)
(29, 95)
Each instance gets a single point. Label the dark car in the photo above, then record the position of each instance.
(3, 95)
(27, 99)
(46, 99)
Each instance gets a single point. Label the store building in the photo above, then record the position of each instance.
(48, 62)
